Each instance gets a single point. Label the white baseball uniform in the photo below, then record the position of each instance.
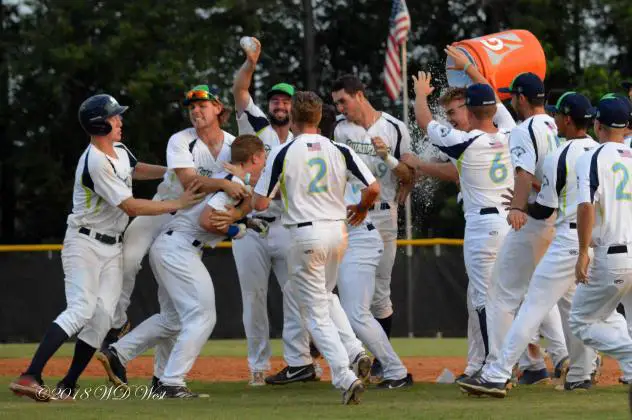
(356, 285)
(92, 254)
(603, 180)
(255, 257)
(384, 213)
(553, 281)
(184, 150)
(627, 300)
(529, 144)
(312, 173)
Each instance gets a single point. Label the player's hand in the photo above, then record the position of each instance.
(191, 196)
(253, 55)
(403, 191)
(581, 268)
(516, 219)
(235, 170)
(422, 84)
(235, 190)
(381, 149)
(460, 59)
(509, 197)
(356, 215)
(222, 219)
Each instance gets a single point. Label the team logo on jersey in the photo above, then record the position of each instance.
(573, 252)
(445, 131)
(205, 172)
(518, 151)
(545, 181)
(362, 148)
(267, 148)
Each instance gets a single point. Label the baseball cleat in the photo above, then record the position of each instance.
(257, 379)
(479, 386)
(461, 377)
(28, 386)
(377, 373)
(561, 369)
(115, 334)
(534, 377)
(405, 382)
(361, 366)
(291, 374)
(578, 386)
(177, 391)
(353, 394)
(113, 366)
(64, 392)
(155, 383)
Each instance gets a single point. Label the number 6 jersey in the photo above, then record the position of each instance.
(484, 165)
(312, 173)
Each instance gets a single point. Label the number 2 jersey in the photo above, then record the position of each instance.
(484, 166)
(396, 136)
(312, 173)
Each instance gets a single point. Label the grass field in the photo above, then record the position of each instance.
(319, 400)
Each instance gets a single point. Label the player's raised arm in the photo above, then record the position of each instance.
(243, 79)
(423, 89)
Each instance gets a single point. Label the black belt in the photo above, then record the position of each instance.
(572, 225)
(381, 206)
(195, 243)
(370, 226)
(304, 224)
(489, 210)
(106, 239)
(267, 219)
(618, 249)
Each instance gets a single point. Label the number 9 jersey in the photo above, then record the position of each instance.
(396, 136)
(484, 165)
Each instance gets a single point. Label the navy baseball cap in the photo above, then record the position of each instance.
(572, 104)
(612, 111)
(479, 94)
(527, 84)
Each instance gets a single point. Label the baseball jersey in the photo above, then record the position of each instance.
(353, 195)
(312, 172)
(559, 181)
(186, 150)
(484, 166)
(396, 136)
(603, 177)
(102, 183)
(254, 121)
(627, 140)
(530, 142)
(187, 221)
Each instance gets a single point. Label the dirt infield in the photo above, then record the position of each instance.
(229, 369)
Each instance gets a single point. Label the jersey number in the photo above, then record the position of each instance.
(621, 194)
(498, 171)
(317, 184)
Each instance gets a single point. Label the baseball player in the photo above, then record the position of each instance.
(529, 143)
(627, 86)
(315, 213)
(256, 256)
(361, 128)
(92, 253)
(603, 214)
(193, 154)
(553, 281)
(186, 295)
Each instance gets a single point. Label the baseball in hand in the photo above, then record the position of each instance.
(247, 43)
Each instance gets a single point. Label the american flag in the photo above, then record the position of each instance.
(313, 147)
(625, 153)
(399, 25)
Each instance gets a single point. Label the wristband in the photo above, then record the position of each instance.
(466, 66)
(247, 178)
(233, 230)
(391, 162)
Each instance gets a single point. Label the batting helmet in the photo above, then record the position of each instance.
(94, 112)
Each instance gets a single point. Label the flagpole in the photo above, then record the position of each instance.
(407, 207)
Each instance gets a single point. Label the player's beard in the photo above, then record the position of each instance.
(279, 121)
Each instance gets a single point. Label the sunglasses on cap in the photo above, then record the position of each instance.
(200, 95)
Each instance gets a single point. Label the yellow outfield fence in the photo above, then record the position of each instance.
(400, 242)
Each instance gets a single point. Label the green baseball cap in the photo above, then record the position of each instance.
(201, 93)
(284, 88)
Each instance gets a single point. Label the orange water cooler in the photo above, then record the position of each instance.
(500, 57)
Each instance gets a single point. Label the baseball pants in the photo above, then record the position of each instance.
(475, 342)
(316, 251)
(254, 258)
(356, 285)
(520, 253)
(626, 301)
(594, 318)
(92, 278)
(553, 283)
(386, 223)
